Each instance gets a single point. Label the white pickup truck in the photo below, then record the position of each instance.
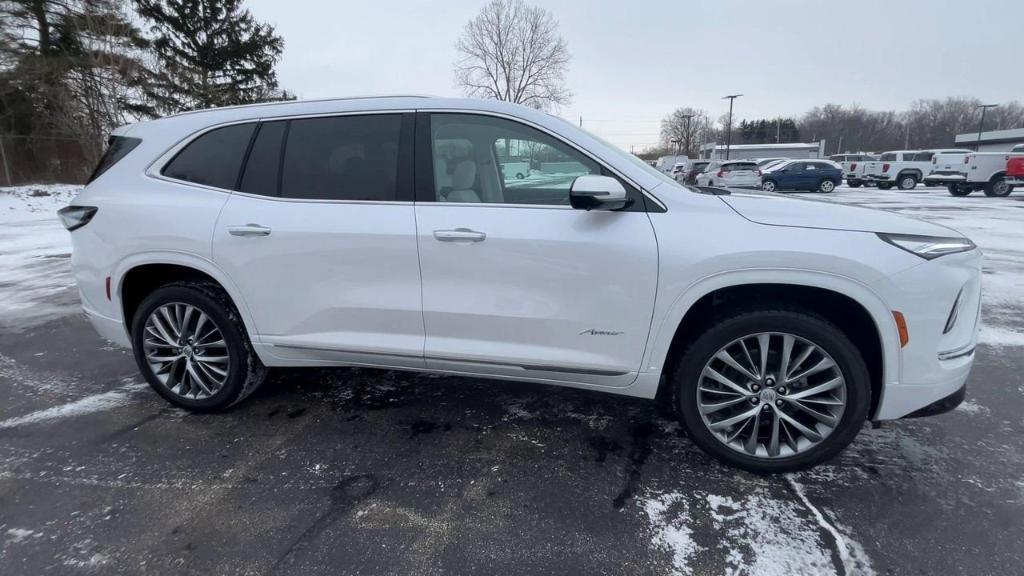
(984, 171)
(947, 168)
(853, 167)
(902, 168)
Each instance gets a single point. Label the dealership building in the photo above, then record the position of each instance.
(992, 141)
(715, 151)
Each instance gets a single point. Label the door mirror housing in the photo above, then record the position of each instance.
(597, 193)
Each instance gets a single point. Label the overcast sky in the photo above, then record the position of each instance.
(633, 61)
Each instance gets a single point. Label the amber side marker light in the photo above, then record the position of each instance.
(901, 325)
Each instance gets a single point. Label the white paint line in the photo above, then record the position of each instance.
(850, 565)
(88, 405)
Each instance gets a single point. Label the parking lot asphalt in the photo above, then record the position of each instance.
(354, 471)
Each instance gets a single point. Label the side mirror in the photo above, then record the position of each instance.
(597, 193)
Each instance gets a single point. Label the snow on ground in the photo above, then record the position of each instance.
(36, 284)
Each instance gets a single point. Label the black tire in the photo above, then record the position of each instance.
(884, 186)
(245, 370)
(997, 188)
(960, 191)
(794, 320)
(826, 186)
(853, 183)
(907, 182)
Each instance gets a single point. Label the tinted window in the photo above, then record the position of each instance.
(923, 156)
(738, 167)
(213, 159)
(797, 166)
(117, 147)
(264, 163)
(493, 160)
(342, 158)
(888, 157)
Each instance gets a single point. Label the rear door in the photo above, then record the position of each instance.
(321, 239)
(517, 283)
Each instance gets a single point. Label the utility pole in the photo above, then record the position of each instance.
(3, 159)
(581, 120)
(778, 131)
(981, 124)
(728, 129)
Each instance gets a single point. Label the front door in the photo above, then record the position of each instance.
(516, 283)
(322, 240)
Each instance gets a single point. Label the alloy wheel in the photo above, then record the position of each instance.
(186, 351)
(828, 186)
(768, 186)
(771, 395)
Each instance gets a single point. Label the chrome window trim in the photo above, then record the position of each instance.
(154, 168)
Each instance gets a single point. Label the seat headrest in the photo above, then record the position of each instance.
(464, 175)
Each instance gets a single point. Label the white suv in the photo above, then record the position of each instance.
(384, 232)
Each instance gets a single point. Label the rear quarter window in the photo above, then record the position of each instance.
(214, 158)
(117, 148)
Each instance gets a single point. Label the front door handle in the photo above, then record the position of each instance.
(459, 235)
(249, 230)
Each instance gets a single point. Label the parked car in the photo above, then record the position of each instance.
(812, 175)
(730, 174)
(1015, 170)
(1017, 148)
(694, 169)
(377, 232)
(947, 168)
(677, 170)
(853, 167)
(666, 163)
(902, 168)
(984, 171)
(772, 164)
(763, 162)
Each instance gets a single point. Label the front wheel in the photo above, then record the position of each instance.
(907, 182)
(190, 344)
(826, 186)
(772, 390)
(768, 186)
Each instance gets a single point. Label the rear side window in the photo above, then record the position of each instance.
(117, 148)
(342, 158)
(213, 159)
(924, 156)
(264, 163)
(888, 157)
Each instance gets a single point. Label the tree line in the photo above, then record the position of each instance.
(73, 70)
(929, 123)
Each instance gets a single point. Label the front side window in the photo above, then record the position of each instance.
(342, 158)
(483, 159)
(214, 158)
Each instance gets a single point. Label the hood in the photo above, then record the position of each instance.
(778, 210)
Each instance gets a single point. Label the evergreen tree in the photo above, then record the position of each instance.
(210, 53)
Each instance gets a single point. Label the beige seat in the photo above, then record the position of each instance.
(462, 183)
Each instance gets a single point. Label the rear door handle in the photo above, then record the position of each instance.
(459, 235)
(249, 230)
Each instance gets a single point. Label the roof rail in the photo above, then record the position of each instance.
(285, 102)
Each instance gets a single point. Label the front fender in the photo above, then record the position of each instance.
(665, 330)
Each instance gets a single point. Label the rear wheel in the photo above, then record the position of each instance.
(998, 188)
(772, 390)
(826, 186)
(907, 182)
(853, 183)
(191, 346)
(956, 190)
(768, 186)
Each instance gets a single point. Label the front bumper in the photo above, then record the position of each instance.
(941, 406)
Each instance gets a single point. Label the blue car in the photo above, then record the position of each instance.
(812, 175)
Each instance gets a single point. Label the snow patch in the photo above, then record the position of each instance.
(1000, 336)
(670, 534)
(88, 405)
(17, 535)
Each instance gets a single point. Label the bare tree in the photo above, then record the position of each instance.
(681, 129)
(513, 52)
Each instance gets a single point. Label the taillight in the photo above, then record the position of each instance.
(720, 173)
(853, 166)
(967, 159)
(885, 167)
(74, 217)
(934, 161)
(757, 172)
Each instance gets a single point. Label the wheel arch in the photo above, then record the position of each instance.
(138, 275)
(856, 309)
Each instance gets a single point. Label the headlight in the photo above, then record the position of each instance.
(928, 247)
